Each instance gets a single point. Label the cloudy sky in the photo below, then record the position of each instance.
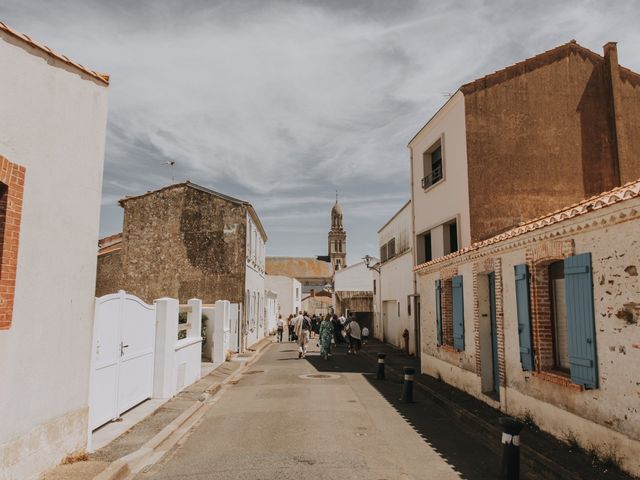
(283, 102)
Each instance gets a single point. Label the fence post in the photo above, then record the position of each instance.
(164, 377)
(194, 317)
(221, 319)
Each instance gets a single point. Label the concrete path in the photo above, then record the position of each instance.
(277, 424)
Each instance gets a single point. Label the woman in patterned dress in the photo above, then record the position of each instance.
(326, 334)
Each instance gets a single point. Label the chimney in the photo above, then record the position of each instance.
(612, 74)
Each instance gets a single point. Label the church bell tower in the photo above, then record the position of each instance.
(337, 238)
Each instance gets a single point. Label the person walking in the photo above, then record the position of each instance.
(365, 335)
(290, 328)
(326, 335)
(303, 329)
(355, 335)
(280, 328)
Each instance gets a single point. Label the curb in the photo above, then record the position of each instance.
(150, 452)
(537, 457)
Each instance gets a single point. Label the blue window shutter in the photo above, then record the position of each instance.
(439, 310)
(524, 316)
(581, 323)
(458, 313)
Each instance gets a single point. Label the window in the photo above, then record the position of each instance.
(374, 286)
(432, 162)
(427, 248)
(450, 240)
(561, 315)
(391, 248)
(398, 309)
(383, 253)
(423, 251)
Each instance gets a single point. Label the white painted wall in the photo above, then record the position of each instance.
(53, 124)
(449, 198)
(395, 284)
(271, 310)
(254, 285)
(289, 292)
(354, 278)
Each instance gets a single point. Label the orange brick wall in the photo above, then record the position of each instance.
(11, 175)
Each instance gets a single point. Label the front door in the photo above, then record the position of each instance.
(494, 334)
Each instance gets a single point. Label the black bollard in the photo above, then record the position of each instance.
(407, 386)
(380, 374)
(511, 429)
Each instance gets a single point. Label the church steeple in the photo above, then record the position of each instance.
(337, 238)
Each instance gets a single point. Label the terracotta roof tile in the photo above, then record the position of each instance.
(102, 77)
(625, 192)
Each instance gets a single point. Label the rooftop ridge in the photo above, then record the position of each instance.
(624, 192)
(102, 77)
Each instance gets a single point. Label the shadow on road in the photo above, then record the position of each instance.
(470, 452)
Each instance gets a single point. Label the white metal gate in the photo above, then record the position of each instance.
(123, 350)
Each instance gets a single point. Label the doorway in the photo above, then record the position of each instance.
(490, 375)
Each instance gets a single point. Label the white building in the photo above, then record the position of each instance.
(52, 138)
(271, 310)
(395, 285)
(255, 321)
(353, 292)
(289, 292)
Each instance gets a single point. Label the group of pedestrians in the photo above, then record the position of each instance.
(331, 330)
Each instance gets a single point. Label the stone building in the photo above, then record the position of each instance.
(52, 140)
(543, 133)
(542, 321)
(186, 241)
(337, 239)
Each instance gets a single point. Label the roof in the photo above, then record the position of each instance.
(298, 267)
(101, 77)
(337, 208)
(537, 61)
(625, 192)
(110, 244)
(320, 299)
(195, 186)
(545, 58)
(395, 215)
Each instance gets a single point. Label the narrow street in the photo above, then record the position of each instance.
(342, 424)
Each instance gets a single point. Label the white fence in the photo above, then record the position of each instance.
(137, 353)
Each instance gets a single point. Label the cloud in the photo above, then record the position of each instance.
(283, 102)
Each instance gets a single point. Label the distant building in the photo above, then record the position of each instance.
(52, 140)
(315, 273)
(526, 140)
(318, 303)
(289, 292)
(395, 287)
(353, 293)
(186, 241)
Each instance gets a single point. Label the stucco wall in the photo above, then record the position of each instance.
(53, 124)
(286, 290)
(606, 418)
(538, 142)
(356, 278)
(184, 243)
(451, 193)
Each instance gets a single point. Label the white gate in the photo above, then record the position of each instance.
(122, 366)
(234, 327)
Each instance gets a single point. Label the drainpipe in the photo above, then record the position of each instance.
(416, 313)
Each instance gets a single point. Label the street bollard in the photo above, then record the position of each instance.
(407, 386)
(380, 374)
(510, 448)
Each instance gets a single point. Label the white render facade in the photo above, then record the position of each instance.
(56, 131)
(395, 285)
(254, 304)
(289, 292)
(443, 205)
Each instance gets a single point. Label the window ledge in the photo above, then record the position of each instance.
(558, 379)
(433, 185)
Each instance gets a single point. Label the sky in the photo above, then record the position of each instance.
(281, 103)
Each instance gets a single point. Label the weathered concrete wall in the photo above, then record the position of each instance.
(53, 124)
(538, 142)
(183, 243)
(109, 278)
(606, 418)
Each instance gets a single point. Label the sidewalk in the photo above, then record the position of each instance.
(540, 451)
(175, 411)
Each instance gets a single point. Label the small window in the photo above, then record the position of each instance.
(391, 248)
(559, 316)
(424, 253)
(398, 309)
(450, 233)
(432, 162)
(383, 253)
(374, 286)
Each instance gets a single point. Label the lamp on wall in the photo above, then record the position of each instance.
(367, 261)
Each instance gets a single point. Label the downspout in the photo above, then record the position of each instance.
(416, 313)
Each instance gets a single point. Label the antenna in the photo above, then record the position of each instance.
(171, 163)
(336, 196)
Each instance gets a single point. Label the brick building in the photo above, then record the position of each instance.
(541, 321)
(186, 241)
(531, 138)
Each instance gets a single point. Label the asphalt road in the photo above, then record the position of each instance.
(275, 423)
